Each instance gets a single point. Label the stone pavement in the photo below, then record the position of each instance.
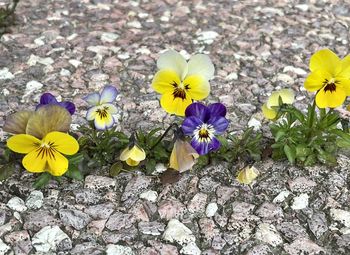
(74, 47)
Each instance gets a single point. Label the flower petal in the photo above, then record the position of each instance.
(108, 94)
(172, 60)
(92, 99)
(164, 80)
(69, 106)
(125, 154)
(104, 122)
(23, 143)
(111, 108)
(219, 123)
(34, 163)
(198, 87)
(131, 162)
(62, 142)
(184, 156)
(269, 113)
(57, 164)
(201, 64)
(199, 110)
(47, 119)
(326, 60)
(175, 105)
(203, 147)
(217, 109)
(48, 98)
(91, 113)
(330, 99)
(287, 96)
(137, 153)
(190, 124)
(247, 175)
(16, 123)
(316, 79)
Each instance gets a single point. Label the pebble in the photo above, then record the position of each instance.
(255, 124)
(65, 72)
(74, 62)
(149, 195)
(207, 37)
(303, 246)
(300, 202)
(35, 200)
(120, 220)
(50, 238)
(17, 204)
(109, 37)
(342, 216)
(197, 203)
(295, 70)
(32, 86)
(191, 249)
(171, 208)
(231, 76)
(211, 209)
(5, 74)
(267, 233)
(113, 249)
(281, 196)
(3, 247)
(99, 183)
(178, 232)
(74, 218)
(33, 60)
(151, 228)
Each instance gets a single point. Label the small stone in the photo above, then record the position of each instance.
(160, 168)
(197, 203)
(100, 211)
(292, 230)
(113, 249)
(300, 202)
(74, 62)
(123, 56)
(33, 60)
(232, 76)
(87, 196)
(119, 221)
(191, 249)
(149, 195)
(109, 37)
(211, 209)
(32, 86)
(89, 248)
(207, 37)
(99, 183)
(35, 200)
(96, 227)
(267, 233)
(318, 224)
(65, 72)
(178, 232)
(74, 218)
(3, 247)
(342, 216)
(171, 208)
(50, 238)
(260, 249)
(255, 124)
(99, 49)
(303, 246)
(135, 24)
(38, 219)
(301, 184)
(269, 211)
(302, 7)
(281, 196)
(135, 186)
(16, 204)
(285, 78)
(5, 74)
(151, 228)
(295, 70)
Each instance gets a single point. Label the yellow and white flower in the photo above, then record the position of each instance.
(269, 109)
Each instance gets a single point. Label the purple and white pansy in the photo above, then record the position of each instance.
(102, 109)
(48, 98)
(203, 123)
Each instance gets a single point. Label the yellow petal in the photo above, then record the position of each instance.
(344, 83)
(183, 156)
(287, 96)
(16, 123)
(269, 113)
(346, 66)
(247, 175)
(34, 163)
(103, 122)
(125, 154)
(172, 60)
(330, 99)
(201, 64)
(163, 81)
(173, 162)
(175, 105)
(23, 143)
(198, 87)
(316, 79)
(57, 164)
(131, 162)
(326, 60)
(48, 118)
(62, 142)
(137, 153)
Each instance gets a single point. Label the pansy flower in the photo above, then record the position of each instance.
(180, 82)
(203, 124)
(133, 155)
(48, 98)
(102, 107)
(270, 108)
(330, 77)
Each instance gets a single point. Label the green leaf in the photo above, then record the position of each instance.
(302, 151)
(150, 166)
(42, 180)
(74, 173)
(279, 135)
(76, 159)
(152, 132)
(6, 171)
(290, 153)
(115, 169)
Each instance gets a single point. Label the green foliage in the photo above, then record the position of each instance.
(7, 16)
(246, 147)
(308, 138)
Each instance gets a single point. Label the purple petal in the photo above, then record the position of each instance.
(47, 98)
(190, 124)
(92, 99)
(203, 148)
(199, 110)
(108, 94)
(217, 109)
(69, 106)
(214, 144)
(219, 123)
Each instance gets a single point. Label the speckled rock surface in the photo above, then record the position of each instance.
(71, 48)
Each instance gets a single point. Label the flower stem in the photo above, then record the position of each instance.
(163, 135)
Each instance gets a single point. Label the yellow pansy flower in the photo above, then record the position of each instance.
(180, 82)
(330, 77)
(183, 156)
(44, 155)
(133, 155)
(247, 175)
(269, 108)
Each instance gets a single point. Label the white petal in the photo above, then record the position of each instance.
(112, 109)
(201, 64)
(173, 60)
(92, 99)
(108, 94)
(91, 113)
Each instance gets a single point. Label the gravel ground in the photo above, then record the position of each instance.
(72, 48)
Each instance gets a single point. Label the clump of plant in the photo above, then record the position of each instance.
(7, 16)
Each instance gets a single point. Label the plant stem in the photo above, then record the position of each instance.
(163, 135)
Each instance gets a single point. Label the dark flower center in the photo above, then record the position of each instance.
(46, 150)
(102, 112)
(330, 85)
(180, 91)
(203, 133)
